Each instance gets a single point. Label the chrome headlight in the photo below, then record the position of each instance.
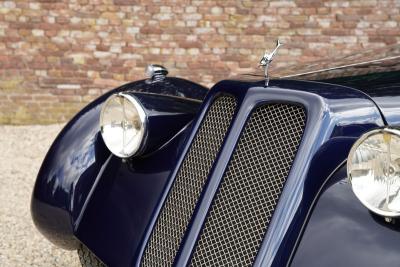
(123, 124)
(373, 168)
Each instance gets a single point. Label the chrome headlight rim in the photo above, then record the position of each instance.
(361, 140)
(142, 117)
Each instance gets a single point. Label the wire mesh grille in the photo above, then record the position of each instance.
(181, 201)
(251, 186)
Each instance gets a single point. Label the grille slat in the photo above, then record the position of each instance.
(251, 186)
(185, 192)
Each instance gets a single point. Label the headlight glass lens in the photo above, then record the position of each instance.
(122, 124)
(373, 167)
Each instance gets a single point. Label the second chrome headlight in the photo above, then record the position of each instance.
(373, 168)
(123, 124)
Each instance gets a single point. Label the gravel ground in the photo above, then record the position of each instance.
(22, 149)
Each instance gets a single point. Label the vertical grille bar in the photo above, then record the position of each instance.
(185, 192)
(251, 186)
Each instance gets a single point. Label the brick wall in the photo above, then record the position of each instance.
(56, 55)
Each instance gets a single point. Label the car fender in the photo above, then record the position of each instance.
(341, 231)
(78, 154)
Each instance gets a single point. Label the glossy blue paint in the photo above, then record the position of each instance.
(111, 206)
(123, 201)
(344, 115)
(337, 115)
(383, 88)
(342, 232)
(164, 113)
(78, 155)
(390, 107)
(191, 135)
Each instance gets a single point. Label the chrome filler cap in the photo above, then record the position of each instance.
(156, 73)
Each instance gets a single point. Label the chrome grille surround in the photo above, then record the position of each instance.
(179, 205)
(243, 207)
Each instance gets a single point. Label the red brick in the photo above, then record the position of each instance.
(348, 18)
(126, 2)
(150, 30)
(93, 46)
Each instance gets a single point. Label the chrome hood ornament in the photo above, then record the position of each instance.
(267, 59)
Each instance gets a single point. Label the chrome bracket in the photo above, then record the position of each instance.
(267, 59)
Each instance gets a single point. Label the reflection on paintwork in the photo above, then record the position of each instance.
(77, 156)
(344, 111)
(326, 143)
(81, 161)
(384, 88)
(390, 106)
(342, 232)
(327, 140)
(70, 168)
(346, 115)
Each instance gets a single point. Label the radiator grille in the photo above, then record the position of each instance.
(251, 186)
(181, 201)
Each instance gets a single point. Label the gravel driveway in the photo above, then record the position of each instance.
(22, 149)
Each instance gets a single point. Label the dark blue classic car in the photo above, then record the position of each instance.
(299, 170)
